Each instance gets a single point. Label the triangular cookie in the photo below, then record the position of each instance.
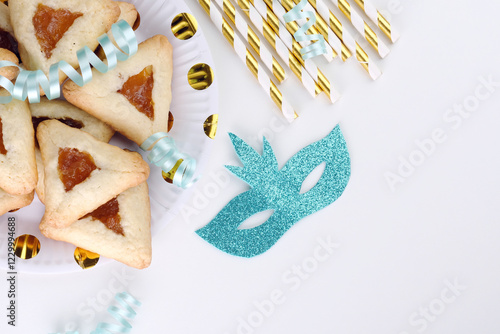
(10, 202)
(134, 98)
(18, 174)
(82, 173)
(52, 30)
(70, 115)
(120, 229)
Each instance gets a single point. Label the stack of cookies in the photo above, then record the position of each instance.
(95, 194)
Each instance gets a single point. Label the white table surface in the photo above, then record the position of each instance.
(398, 251)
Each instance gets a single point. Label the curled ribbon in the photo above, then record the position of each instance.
(315, 48)
(120, 314)
(28, 82)
(126, 302)
(165, 154)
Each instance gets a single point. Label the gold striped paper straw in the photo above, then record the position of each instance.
(362, 27)
(361, 56)
(242, 25)
(249, 60)
(254, 41)
(280, 7)
(292, 27)
(378, 19)
(282, 41)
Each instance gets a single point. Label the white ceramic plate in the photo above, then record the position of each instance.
(190, 109)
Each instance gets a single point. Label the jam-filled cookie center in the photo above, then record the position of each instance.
(2, 146)
(8, 42)
(138, 90)
(108, 215)
(74, 167)
(51, 25)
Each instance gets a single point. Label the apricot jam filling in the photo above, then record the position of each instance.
(74, 167)
(138, 90)
(51, 25)
(108, 215)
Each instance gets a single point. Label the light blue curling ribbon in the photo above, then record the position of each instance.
(314, 49)
(28, 83)
(165, 154)
(120, 314)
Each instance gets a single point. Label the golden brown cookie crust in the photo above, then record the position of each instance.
(10, 202)
(9, 72)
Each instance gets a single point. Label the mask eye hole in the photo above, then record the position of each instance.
(256, 220)
(312, 179)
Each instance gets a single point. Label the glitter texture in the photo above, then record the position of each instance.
(278, 190)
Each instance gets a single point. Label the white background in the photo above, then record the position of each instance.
(397, 249)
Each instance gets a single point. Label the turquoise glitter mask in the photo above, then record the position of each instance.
(278, 190)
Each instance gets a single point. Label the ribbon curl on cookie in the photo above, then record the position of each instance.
(165, 154)
(28, 83)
